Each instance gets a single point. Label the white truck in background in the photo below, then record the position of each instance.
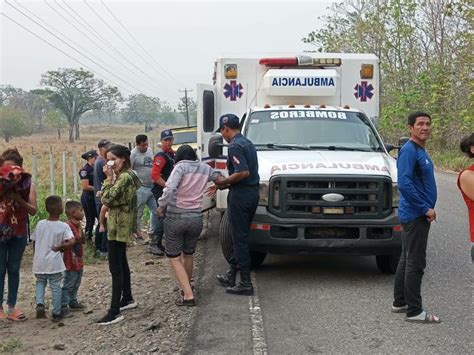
(327, 182)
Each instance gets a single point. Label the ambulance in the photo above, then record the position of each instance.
(328, 184)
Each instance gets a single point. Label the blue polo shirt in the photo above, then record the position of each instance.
(242, 156)
(416, 182)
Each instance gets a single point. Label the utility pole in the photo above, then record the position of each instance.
(186, 103)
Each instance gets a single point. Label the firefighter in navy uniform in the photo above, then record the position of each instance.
(242, 201)
(86, 175)
(163, 164)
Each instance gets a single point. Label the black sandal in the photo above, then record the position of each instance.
(180, 301)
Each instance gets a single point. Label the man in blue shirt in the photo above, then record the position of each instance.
(243, 183)
(417, 186)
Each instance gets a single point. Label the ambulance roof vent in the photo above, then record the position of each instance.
(322, 106)
(307, 106)
(266, 106)
(347, 107)
(291, 106)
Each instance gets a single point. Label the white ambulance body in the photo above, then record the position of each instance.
(328, 184)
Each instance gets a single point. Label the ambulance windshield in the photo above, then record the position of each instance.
(312, 129)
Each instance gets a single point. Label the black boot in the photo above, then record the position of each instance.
(228, 278)
(244, 287)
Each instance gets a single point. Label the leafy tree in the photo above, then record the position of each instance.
(425, 50)
(167, 115)
(76, 91)
(13, 122)
(56, 119)
(142, 109)
(192, 109)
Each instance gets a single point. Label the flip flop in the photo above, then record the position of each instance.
(429, 319)
(16, 315)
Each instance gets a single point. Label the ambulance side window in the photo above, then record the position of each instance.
(208, 111)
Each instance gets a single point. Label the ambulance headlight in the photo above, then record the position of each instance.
(395, 195)
(263, 191)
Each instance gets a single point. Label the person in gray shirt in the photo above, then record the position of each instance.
(142, 161)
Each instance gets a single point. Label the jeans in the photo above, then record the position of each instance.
(72, 281)
(242, 202)
(11, 253)
(407, 290)
(118, 266)
(145, 197)
(54, 285)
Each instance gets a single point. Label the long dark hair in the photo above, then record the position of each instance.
(122, 152)
(466, 144)
(185, 152)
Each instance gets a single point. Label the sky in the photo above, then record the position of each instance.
(152, 47)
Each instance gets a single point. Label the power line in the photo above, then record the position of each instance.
(75, 43)
(75, 15)
(74, 49)
(63, 52)
(143, 48)
(118, 35)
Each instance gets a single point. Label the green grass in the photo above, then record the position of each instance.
(10, 345)
(450, 160)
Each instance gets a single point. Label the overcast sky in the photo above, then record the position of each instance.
(181, 39)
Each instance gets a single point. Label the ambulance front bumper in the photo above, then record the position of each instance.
(272, 234)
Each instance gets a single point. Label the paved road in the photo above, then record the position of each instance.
(313, 304)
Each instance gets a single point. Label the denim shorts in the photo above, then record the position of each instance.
(181, 233)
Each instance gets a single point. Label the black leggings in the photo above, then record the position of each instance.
(90, 210)
(118, 266)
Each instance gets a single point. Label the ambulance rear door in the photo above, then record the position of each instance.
(206, 127)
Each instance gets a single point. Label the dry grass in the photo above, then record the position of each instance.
(41, 144)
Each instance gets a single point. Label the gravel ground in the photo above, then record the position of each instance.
(156, 325)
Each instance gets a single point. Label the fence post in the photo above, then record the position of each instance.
(74, 170)
(34, 167)
(51, 171)
(64, 175)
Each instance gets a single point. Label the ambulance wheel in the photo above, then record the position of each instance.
(225, 233)
(387, 264)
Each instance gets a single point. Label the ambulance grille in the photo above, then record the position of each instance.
(302, 196)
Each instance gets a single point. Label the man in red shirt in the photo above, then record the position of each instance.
(73, 260)
(163, 164)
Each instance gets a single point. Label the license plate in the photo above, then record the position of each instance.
(333, 210)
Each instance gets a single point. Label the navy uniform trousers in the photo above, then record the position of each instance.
(242, 203)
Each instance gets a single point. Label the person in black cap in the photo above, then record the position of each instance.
(163, 164)
(86, 175)
(99, 177)
(243, 184)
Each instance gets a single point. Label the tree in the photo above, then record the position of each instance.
(76, 91)
(192, 109)
(56, 119)
(142, 109)
(12, 122)
(425, 50)
(167, 114)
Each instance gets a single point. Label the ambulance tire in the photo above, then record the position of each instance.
(225, 233)
(387, 264)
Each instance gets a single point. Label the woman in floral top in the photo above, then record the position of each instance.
(119, 196)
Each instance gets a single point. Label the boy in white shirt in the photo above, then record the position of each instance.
(50, 236)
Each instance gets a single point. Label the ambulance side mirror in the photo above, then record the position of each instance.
(389, 147)
(215, 146)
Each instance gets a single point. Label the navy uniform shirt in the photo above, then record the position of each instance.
(242, 156)
(87, 173)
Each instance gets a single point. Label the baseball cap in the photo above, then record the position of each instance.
(89, 154)
(166, 134)
(104, 143)
(228, 120)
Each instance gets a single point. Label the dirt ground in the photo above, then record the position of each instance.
(157, 325)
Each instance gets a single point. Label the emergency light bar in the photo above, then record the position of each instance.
(301, 61)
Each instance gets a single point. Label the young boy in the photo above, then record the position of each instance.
(50, 236)
(72, 258)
